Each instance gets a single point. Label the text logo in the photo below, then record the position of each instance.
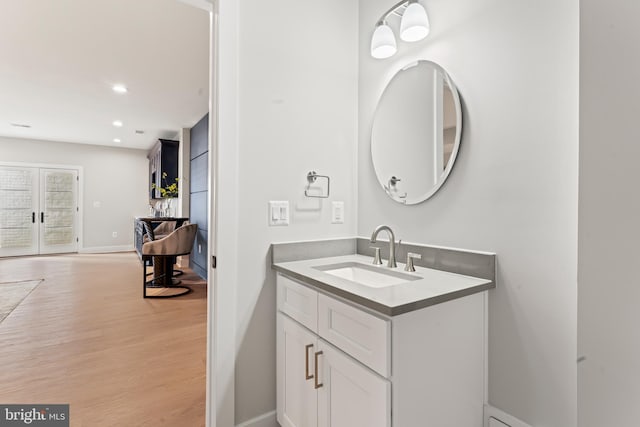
(34, 415)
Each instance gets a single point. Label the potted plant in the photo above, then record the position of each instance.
(169, 192)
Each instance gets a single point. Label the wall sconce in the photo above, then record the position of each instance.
(414, 26)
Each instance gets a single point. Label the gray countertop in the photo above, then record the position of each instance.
(429, 288)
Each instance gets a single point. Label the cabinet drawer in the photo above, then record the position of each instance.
(365, 337)
(298, 302)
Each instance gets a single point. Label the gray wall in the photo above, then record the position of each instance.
(115, 177)
(199, 203)
(608, 255)
(303, 88)
(297, 112)
(514, 188)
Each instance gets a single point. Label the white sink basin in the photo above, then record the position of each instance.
(367, 275)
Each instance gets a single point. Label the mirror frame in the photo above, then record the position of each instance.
(458, 137)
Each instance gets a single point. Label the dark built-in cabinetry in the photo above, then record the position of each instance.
(163, 158)
(199, 192)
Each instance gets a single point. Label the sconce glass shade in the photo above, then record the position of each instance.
(414, 25)
(383, 42)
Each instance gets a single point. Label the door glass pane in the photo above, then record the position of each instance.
(16, 207)
(60, 208)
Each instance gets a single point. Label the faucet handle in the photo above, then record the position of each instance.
(410, 257)
(376, 258)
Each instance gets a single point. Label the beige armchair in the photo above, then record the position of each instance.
(163, 253)
(162, 230)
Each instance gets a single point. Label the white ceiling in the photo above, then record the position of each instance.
(59, 60)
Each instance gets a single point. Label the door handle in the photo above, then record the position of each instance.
(307, 376)
(33, 217)
(42, 217)
(317, 385)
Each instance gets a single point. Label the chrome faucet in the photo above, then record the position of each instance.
(392, 243)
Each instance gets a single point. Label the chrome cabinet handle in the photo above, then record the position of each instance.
(307, 376)
(317, 384)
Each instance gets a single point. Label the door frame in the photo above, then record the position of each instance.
(223, 209)
(224, 213)
(80, 169)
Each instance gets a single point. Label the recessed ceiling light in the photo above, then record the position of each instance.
(120, 88)
(117, 140)
(20, 125)
(118, 123)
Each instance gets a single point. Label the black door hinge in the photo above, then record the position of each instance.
(214, 261)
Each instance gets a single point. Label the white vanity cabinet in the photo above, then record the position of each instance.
(319, 385)
(351, 395)
(297, 396)
(343, 365)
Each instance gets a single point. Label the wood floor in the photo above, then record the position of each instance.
(85, 336)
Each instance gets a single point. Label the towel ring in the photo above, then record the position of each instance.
(311, 178)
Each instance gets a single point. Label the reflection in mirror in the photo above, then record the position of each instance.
(416, 132)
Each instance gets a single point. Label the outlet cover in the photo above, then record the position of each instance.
(278, 213)
(114, 234)
(337, 212)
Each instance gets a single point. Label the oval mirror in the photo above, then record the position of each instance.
(416, 132)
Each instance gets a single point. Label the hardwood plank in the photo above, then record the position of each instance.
(85, 336)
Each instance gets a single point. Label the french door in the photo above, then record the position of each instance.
(38, 210)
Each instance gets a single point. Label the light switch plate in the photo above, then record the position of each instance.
(337, 212)
(278, 213)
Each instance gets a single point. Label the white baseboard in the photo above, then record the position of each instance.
(503, 417)
(106, 249)
(264, 420)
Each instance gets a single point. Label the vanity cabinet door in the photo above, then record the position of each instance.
(350, 395)
(297, 404)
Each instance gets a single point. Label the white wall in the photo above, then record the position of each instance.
(297, 112)
(116, 178)
(514, 188)
(609, 236)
